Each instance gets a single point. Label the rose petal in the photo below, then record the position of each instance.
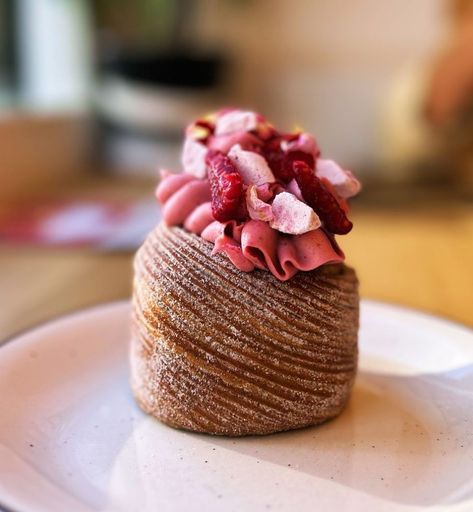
(345, 184)
(267, 191)
(305, 142)
(257, 209)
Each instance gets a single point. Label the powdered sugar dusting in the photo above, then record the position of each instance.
(220, 351)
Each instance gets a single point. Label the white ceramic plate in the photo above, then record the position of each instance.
(72, 438)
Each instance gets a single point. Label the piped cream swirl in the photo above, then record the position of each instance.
(248, 245)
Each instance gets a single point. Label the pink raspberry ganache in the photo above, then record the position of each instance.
(264, 198)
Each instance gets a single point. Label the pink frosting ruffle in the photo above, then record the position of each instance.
(249, 245)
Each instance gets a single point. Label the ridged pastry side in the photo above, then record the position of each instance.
(221, 351)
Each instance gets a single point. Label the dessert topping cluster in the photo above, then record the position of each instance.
(266, 199)
(256, 172)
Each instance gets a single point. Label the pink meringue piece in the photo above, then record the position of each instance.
(184, 201)
(224, 143)
(257, 209)
(193, 158)
(236, 121)
(170, 184)
(252, 167)
(292, 216)
(345, 184)
(294, 189)
(305, 142)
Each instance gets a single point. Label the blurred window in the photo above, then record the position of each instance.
(8, 67)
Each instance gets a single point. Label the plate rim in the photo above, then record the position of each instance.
(56, 318)
(24, 333)
(7, 342)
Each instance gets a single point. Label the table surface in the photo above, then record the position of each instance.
(421, 257)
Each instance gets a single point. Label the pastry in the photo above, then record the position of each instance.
(245, 317)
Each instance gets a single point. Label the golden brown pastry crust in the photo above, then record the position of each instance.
(221, 351)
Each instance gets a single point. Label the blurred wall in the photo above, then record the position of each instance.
(325, 64)
(55, 47)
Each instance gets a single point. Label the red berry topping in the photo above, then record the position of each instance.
(295, 156)
(340, 200)
(274, 155)
(281, 162)
(320, 199)
(226, 187)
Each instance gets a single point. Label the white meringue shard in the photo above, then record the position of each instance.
(292, 216)
(193, 158)
(252, 167)
(236, 121)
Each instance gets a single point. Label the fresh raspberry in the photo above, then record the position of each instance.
(274, 155)
(226, 187)
(320, 199)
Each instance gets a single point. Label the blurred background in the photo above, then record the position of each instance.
(94, 96)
